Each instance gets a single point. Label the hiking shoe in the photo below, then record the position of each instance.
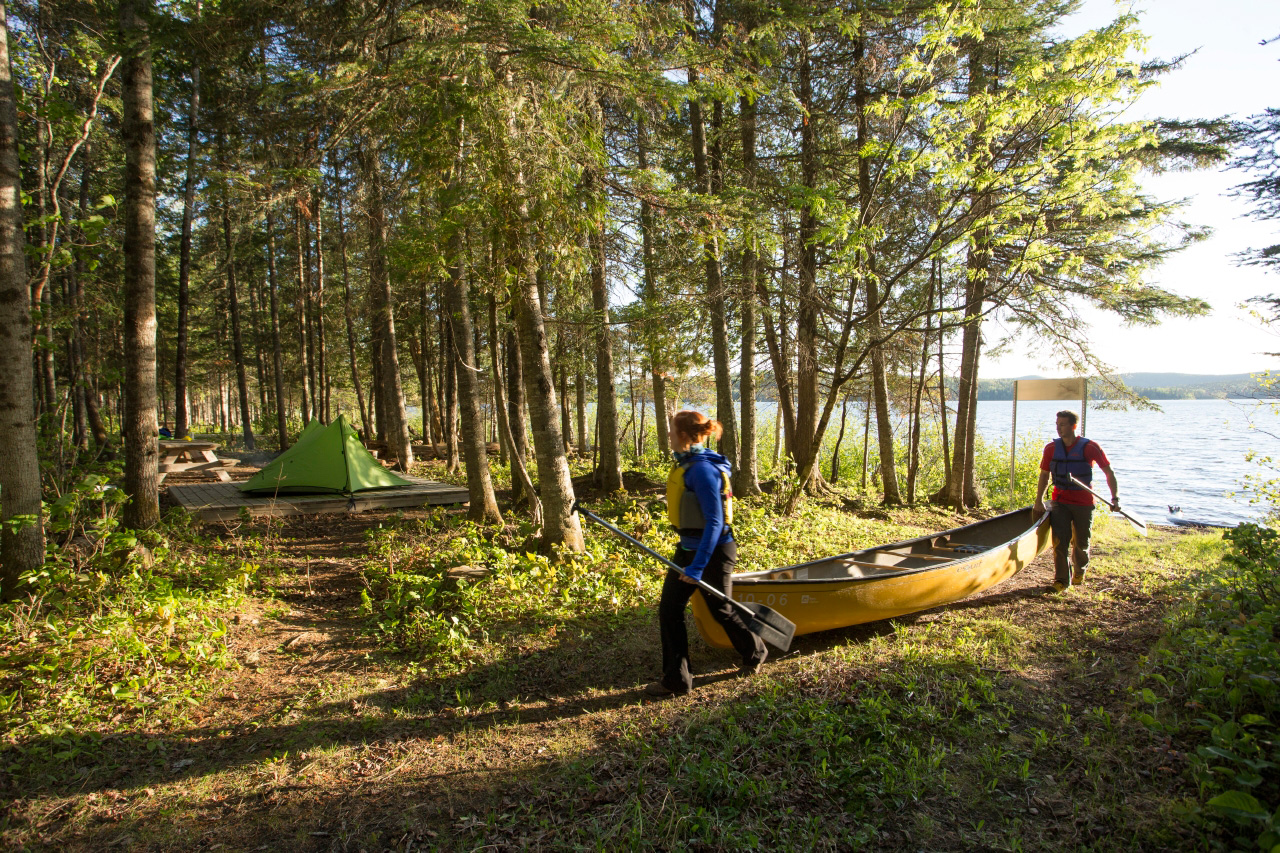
(1077, 577)
(658, 690)
(752, 667)
(1059, 586)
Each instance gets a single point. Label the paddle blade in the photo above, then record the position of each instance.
(771, 626)
(1138, 524)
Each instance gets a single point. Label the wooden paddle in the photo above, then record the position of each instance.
(1138, 523)
(765, 622)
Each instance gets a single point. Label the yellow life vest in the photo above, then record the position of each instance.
(683, 510)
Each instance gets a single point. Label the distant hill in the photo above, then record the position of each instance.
(1154, 386)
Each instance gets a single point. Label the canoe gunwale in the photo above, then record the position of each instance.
(762, 576)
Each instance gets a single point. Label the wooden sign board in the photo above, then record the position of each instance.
(1049, 389)
(1075, 388)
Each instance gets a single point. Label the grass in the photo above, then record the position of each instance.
(335, 688)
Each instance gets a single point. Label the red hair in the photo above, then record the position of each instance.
(696, 426)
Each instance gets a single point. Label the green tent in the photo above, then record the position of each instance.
(325, 459)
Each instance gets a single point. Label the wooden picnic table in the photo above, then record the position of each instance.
(192, 456)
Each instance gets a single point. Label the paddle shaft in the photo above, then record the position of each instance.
(702, 585)
(1139, 522)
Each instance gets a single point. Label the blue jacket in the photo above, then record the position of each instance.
(703, 477)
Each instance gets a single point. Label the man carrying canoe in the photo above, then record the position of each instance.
(1071, 509)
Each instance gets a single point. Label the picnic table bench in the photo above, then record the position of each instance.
(192, 457)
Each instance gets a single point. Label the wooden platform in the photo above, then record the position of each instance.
(224, 501)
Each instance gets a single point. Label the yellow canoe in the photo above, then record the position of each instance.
(889, 580)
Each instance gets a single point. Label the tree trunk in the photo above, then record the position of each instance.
(21, 545)
(608, 472)
(566, 422)
(580, 405)
(708, 184)
(484, 506)
(450, 349)
(346, 308)
(322, 368)
(80, 384)
(835, 454)
(780, 362)
(875, 325)
(913, 450)
(424, 368)
(397, 427)
(237, 345)
(807, 308)
(516, 407)
(138, 133)
(277, 356)
(746, 479)
(180, 425)
(866, 436)
(256, 301)
(653, 334)
(304, 300)
(519, 473)
(560, 523)
(962, 487)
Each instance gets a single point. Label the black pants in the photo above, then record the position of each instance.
(1071, 524)
(675, 636)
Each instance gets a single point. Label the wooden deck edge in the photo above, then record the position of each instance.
(205, 502)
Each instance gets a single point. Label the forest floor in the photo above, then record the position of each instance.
(1006, 721)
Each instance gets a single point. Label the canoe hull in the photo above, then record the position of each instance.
(889, 580)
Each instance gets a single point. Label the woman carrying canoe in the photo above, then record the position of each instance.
(700, 507)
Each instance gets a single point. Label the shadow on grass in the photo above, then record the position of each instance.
(595, 666)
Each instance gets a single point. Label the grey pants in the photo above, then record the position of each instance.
(1070, 524)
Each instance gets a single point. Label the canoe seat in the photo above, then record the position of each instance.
(962, 548)
(922, 556)
(971, 549)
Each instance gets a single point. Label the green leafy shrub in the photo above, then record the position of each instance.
(114, 620)
(1221, 661)
(416, 605)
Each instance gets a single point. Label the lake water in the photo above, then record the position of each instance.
(1191, 454)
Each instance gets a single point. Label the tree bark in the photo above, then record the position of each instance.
(180, 425)
(515, 409)
(346, 306)
(913, 451)
(237, 344)
(650, 293)
(484, 506)
(962, 486)
(746, 479)
(807, 301)
(448, 347)
(397, 427)
(322, 367)
(519, 473)
(21, 545)
(560, 523)
(277, 356)
(835, 454)
(875, 323)
(707, 184)
(304, 301)
(608, 472)
(138, 134)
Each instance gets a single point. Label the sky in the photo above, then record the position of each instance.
(1231, 74)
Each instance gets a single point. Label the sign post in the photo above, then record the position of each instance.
(1044, 389)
